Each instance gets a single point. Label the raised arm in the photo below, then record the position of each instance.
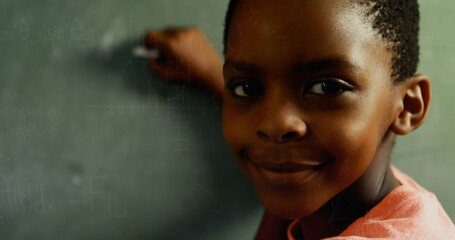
(186, 56)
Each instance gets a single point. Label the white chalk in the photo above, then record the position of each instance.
(142, 52)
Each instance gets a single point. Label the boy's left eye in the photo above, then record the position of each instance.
(328, 87)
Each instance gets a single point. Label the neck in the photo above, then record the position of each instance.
(356, 200)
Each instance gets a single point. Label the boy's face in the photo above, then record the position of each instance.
(308, 99)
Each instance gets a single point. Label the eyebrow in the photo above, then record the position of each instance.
(299, 68)
(240, 66)
(326, 64)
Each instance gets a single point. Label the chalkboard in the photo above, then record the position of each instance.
(93, 146)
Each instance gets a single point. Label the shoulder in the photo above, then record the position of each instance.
(408, 212)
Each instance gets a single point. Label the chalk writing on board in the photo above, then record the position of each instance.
(16, 195)
(19, 31)
(74, 34)
(24, 124)
(98, 195)
(45, 205)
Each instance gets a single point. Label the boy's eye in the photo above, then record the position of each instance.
(328, 87)
(247, 89)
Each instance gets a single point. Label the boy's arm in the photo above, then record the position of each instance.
(186, 56)
(272, 228)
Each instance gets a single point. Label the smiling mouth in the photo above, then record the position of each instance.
(286, 175)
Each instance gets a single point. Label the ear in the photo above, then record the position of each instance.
(414, 96)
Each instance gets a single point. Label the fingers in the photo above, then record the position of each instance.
(160, 64)
(165, 65)
(154, 40)
(159, 42)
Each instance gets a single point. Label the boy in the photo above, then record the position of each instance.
(314, 92)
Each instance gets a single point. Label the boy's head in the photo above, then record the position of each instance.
(313, 98)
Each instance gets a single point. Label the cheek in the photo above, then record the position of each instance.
(234, 129)
(237, 134)
(353, 143)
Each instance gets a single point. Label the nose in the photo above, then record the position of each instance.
(281, 123)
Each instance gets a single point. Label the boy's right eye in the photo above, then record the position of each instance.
(247, 88)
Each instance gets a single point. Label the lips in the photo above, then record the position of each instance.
(286, 175)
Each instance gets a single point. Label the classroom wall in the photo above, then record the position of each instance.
(93, 146)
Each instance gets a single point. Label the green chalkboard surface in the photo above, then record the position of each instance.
(93, 146)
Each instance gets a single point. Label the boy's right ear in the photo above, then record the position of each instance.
(414, 98)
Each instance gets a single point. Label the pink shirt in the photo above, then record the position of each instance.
(408, 212)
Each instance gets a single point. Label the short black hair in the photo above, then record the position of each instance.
(396, 21)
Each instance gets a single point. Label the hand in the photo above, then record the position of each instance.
(186, 56)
